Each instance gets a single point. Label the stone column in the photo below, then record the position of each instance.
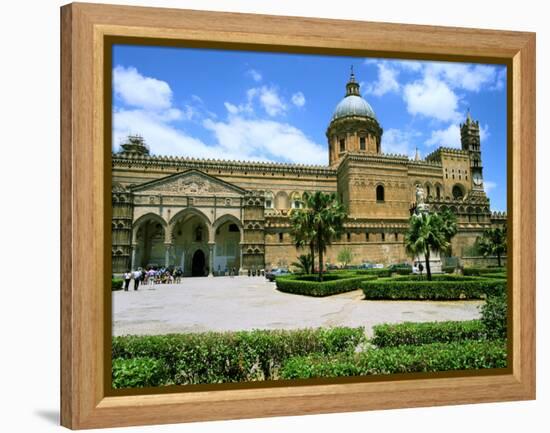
(211, 259)
(133, 262)
(167, 254)
(241, 268)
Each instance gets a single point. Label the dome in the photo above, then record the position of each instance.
(353, 105)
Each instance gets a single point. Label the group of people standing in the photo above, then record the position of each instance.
(152, 276)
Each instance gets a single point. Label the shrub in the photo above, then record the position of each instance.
(138, 372)
(481, 271)
(435, 277)
(466, 355)
(117, 283)
(494, 316)
(408, 333)
(435, 290)
(216, 357)
(333, 285)
(374, 271)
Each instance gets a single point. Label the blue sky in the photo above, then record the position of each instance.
(276, 107)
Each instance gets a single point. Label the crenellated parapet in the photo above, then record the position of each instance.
(178, 162)
(436, 155)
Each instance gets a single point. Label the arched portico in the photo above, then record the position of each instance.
(148, 241)
(227, 239)
(190, 231)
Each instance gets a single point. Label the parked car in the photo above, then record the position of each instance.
(276, 272)
(366, 266)
(378, 266)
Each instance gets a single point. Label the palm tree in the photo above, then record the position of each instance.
(302, 231)
(304, 263)
(429, 232)
(327, 221)
(493, 242)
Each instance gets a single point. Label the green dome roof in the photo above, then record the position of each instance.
(353, 104)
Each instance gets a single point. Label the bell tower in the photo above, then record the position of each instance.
(469, 137)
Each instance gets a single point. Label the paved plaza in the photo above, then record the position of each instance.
(245, 303)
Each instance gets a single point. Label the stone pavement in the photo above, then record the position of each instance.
(245, 303)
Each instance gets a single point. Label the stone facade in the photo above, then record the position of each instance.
(212, 216)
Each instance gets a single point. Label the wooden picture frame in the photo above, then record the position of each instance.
(85, 226)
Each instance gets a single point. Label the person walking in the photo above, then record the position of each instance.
(127, 278)
(137, 278)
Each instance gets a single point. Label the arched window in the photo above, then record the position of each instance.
(198, 234)
(458, 193)
(362, 143)
(438, 192)
(380, 193)
(269, 200)
(296, 200)
(342, 144)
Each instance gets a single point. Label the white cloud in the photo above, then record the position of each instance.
(400, 142)
(260, 139)
(298, 99)
(387, 81)
(500, 80)
(431, 97)
(488, 186)
(138, 91)
(255, 75)
(270, 100)
(243, 136)
(450, 136)
(462, 75)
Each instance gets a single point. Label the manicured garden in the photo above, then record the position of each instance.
(378, 284)
(214, 357)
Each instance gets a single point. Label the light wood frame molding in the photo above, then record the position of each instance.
(85, 400)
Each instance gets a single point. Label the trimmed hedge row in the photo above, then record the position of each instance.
(435, 277)
(297, 286)
(216, 357)
(377, 272)
(481, 271)
(466, 355)
(434, 290)
(138, 372)
(117, 283)
(412, 333)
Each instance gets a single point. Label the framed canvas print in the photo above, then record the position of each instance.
(266, 216)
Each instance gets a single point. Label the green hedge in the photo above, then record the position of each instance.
(448, 269)
(434, 290)
(409, 333)
(481, 271)
(494, 316)
(216, 357)
(138, 372)
(298, 286)
(435, 277)
(117, 283)
(377, 272)
(466, 355)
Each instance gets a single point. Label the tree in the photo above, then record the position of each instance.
(345, 256)
(493, 242)
(304, 263)
(429, 232)
(327, 221)
(303, 232)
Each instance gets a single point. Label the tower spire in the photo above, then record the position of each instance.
(352, 87)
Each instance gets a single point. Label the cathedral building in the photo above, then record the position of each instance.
(208, 216)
